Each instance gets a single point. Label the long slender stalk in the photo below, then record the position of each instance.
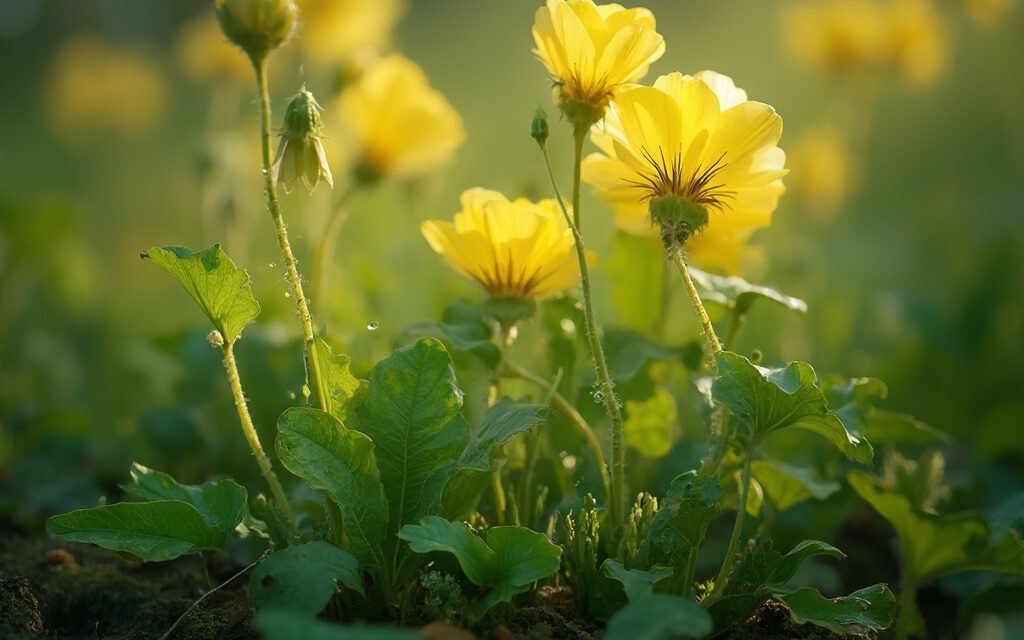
(254, 439)
(570, 411)
(729, 562)
(323, 252)
(605, 388)
(579, 137)
(678, 257)
(316, 382)
(907, 604)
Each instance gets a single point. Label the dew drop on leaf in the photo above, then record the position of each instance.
(372, 325)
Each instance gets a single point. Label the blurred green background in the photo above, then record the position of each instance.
(914, 272)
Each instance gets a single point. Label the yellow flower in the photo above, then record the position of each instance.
(344, 31)
(868, 36)
(696, 139)
(841, 36)
(516, 249)
(402, 126)
(823, 169)
(591, 50)
(99, 86)
(207, 57)
(987, 12)
(918, 40)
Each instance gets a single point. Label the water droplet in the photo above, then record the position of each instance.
(272, 265)
(372, 325)
(568, 326)
(287, 294)
(291, 395)
(569, 462)
(598, 396)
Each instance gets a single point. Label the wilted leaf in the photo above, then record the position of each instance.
(221, 503)
(220, 288)
(659, 617)
(152, 531)
(505, 562)
(314, 445)
(303, 577)
(862, 612)
(767, 400)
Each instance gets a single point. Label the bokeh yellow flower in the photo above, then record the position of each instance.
(97, 86)
(823, 169)
(697, 138)
(591, 50)
(987, 12)
(345, 32)
(207, 57)
(869, 36)
(401, 126)
(513, 249)
(918, 40)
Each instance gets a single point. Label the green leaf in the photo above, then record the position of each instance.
(889, 427)
(937, 545)
(221, 503)
(465, 328)
(303, 577)
(477, 560)
(649, 423)
(453, 489)
(735, 293)
(628, 352)
(279, 624)
(854, 402)
(346, 392)
(506, 564)
(768, 400)
(220, 288)
(411, 413)
(860, 613)
(787, 486)
(691, 503)
(637, 583)
(152, 531)
(659, 617)
(636, 266)
(314, 445)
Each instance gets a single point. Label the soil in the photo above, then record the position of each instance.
(55, 590)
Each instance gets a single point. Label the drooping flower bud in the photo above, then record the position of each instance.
(301, 153)
(539, 127)
(257, 26)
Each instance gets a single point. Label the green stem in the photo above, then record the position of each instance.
(605, 387)
(323, 251)
(678, 257)
(579, 137)
(908, 611)
(254, 439)
(315, 377)
(732, 553)
(570, 411)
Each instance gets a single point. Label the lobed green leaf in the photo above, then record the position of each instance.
(302, 578)
(221, 503)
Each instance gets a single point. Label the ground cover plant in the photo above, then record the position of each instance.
(520, 465)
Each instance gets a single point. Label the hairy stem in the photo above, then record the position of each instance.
(605, 388)
(314, 376)
(678, 257)
(570, 411)
(254, 439)
(579, 137)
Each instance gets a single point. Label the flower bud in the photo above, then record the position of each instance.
(539, 127)
(678, 218)
(301, 153)
(257, 26)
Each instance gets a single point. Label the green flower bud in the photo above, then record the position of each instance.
(257, 26)
(539, 126)
(301, 152)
